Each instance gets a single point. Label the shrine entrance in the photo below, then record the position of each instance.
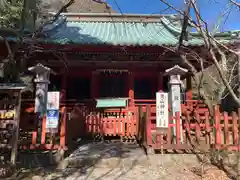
(113, 84)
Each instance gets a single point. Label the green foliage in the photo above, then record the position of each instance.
(10, 13)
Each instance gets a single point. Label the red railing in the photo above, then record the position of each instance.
(227, 130)
(113, 122)
(199, 128)
(60, 136)
(220, 130)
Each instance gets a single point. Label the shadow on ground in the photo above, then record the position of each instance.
(84, 159)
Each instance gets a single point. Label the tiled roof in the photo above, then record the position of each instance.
(113, 32)
(126, 30)
(117, 29)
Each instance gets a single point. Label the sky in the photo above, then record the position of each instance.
(211, 10)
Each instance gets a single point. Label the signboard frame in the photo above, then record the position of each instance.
(162, 114)
(52, 111)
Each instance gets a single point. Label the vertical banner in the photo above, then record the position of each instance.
(162, 110)
(53, 99)
(176, 98)
(52, 113)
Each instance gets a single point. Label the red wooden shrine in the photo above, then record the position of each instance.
(86, 72)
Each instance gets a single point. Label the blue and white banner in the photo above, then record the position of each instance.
(52, 119)
(52, 113)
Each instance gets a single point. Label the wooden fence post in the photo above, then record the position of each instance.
(43, 134)
(138, 123)
(217, 119)
(208, 129)
(63, 129)
(226, 128)
(197, 128)
(148, 126)
(235, 128)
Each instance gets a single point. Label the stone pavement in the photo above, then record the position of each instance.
(102, 161)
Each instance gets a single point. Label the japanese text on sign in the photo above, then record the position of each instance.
(52, 116)
(162, 110)
(53, 100)
(52, 119)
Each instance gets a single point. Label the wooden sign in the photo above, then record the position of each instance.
(7, 114)
(53, 100)
(162, 110)
(52, 114)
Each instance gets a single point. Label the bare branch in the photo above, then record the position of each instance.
(229, 88)
(235, 3)
(185, 24)
(55, 18)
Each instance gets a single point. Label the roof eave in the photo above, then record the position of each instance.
(101, 17)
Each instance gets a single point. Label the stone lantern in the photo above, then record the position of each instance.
(42, 81)
(175, 84)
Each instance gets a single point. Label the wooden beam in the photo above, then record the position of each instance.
(131, 88)
(63, 95)
(160, 81)
(95, 84)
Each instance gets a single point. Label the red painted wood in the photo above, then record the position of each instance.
(217, 126)
(198, 130)
(43, 135)
(208, 128)
(64, 86)
(98, 124)
(189, 94)
(42, 147)
(187, 122)
(95, 85)
(131, 89)
(34, 137)
(112, 126)
(141, 74)
(90, 121)
(104, 48)
(76, 72)
(123, 127)
(160, 82)
(115, 126)
(235, 128)
(63, 127)
(226, 128)
(133, 125)
(149, 124)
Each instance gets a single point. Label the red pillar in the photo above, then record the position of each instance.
(160, 82)
(95, 84)
(131, 88)
(63, 95)
(189, 95)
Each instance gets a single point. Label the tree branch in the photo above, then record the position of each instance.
(55, 18)
(185, 24)
(235, 3)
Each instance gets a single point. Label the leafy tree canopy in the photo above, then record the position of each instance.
(10, 13)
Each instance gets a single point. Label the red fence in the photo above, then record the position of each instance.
(43, 140)
(77, 120)
(113, 122)
(227, 130)
(199, 128)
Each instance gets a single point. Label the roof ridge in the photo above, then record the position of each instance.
(103, 17)
(117, 14)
